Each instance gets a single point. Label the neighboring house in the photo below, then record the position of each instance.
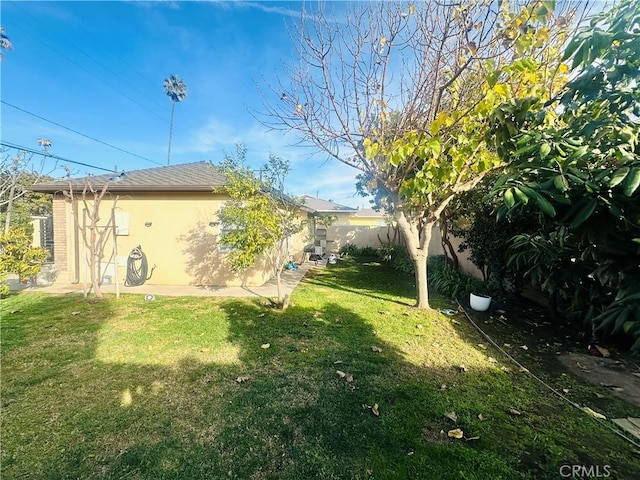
(170, 212)
(368, 217)
(361, 227)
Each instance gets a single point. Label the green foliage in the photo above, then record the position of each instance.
(18, 256)
(348, 250)
(352, 250)
(260, 218)
(581, 169)
(451, 283)
(472, 217)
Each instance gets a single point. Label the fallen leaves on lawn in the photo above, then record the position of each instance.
(265, 345)
(524, 347)
(513, 411)
(374, 409)
(261, 315)
(593, 413)
(242, 379)
(443, 387)
(455, 433)
(376, 349)
(463, 368)
(451, 416)
(347, 376)
(481, 417)
(75, 313)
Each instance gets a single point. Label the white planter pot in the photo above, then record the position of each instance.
(479, 303)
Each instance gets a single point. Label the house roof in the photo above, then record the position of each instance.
(369, 213)
(324, 206)
(186, 177)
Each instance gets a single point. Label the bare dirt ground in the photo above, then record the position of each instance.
(621, 377)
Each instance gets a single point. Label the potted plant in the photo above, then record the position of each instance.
(479, 298)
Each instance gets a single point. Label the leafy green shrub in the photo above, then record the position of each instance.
(18, 256)
(351, 250)
(400, 261)
(446, 280)
(386, 251)
(348, 250)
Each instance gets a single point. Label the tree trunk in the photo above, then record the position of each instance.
(417, 241)
(422, 288)
(278, 285)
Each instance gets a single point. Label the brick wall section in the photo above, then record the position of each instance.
(60, 233)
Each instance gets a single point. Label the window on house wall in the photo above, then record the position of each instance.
(122, 223)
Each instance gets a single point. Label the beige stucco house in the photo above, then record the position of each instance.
(170, 212)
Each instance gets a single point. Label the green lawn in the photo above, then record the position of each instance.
(135, 389)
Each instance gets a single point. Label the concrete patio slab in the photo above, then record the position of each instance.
(290, 280)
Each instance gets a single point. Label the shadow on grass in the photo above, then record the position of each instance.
(70, 415)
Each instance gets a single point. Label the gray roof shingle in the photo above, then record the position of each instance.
(324, 206)
(187, 177)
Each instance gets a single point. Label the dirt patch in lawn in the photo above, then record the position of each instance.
(621, 378)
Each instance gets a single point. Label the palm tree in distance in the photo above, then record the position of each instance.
(5, 43)
(176, 90)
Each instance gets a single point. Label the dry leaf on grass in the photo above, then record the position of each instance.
(242, 379)
(481, 417)
(513, 411)
(593, 413)
(337, 362)
(455, 433)
(75, 313)
(261, 315)
(524, 347)
(451, 416)
(462, 368)
(341, 374)
(265, 345)
(374, 410)
(376, 349)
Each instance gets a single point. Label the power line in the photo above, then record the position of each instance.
(129, 84)
(78, 133)
(98, 77)
(45, 154)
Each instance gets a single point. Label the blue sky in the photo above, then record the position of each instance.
(99, 67)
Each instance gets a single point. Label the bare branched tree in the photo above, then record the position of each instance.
(402, 93)
(95, 235)
(18, 170)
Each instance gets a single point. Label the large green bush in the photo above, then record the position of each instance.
(577, 160)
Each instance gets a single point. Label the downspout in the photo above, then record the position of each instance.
(76, 247)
